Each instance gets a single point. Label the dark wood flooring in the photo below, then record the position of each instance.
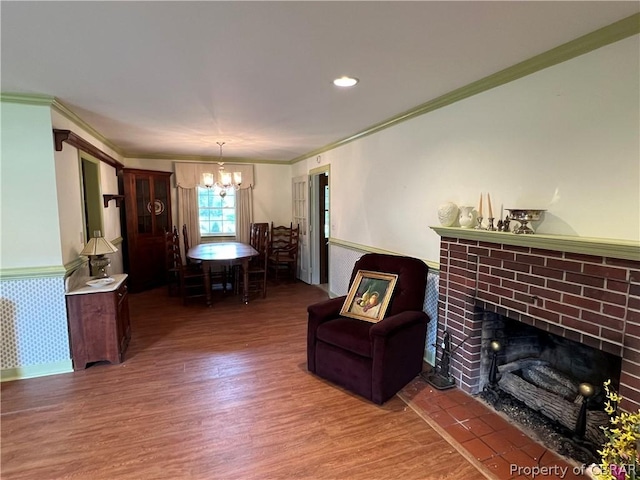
(214, 393)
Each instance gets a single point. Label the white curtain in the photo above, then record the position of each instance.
(244, 214)
(188, 215)
(189, 177)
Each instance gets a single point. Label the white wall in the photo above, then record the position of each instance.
(30, 234)
(565, 139)
(272, 194)
(70, 204)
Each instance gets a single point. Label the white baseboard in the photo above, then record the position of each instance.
(33, 371)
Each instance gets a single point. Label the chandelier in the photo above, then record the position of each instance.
(225, 181)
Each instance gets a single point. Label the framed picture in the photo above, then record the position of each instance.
(369, 295)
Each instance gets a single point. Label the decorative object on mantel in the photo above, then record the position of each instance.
(524, 216)
(467, 217)
(448, 214)
(491, 218)
(96, 249)
(503, 225)
(480, 216)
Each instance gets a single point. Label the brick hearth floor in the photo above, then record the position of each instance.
(485, 437)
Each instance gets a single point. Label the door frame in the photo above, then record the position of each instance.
(314, 220)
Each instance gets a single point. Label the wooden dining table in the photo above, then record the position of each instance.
(227, 254)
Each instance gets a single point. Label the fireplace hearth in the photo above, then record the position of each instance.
(551, 434)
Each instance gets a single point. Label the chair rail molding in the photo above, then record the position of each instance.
(367, 249)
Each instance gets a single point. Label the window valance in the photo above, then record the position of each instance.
(189, 175)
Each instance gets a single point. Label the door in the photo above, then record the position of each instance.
(319, 224)
(322, 232)
(299, 188)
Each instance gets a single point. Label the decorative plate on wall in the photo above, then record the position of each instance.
(158, 207)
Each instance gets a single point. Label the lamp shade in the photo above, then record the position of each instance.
(208, 179)
(98, 245)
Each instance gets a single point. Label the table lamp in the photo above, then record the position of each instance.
(96, 249)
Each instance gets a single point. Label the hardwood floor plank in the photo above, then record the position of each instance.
(214, 393)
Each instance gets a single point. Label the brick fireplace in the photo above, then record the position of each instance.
(586, 290)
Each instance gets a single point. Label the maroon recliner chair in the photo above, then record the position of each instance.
(373, 360)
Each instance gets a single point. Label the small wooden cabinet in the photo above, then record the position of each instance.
(147, 215)
(99, 326)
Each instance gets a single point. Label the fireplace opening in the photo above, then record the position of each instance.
(550, 384)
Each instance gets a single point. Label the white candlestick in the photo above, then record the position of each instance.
(490, 209)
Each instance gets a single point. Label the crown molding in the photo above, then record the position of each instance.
(201, 158)
(615, 32)
(27, 99)
(66, 112)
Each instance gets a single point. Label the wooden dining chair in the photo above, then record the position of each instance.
(191, 279)
(187, 246)
(219, 278)
(256, 233)
(257, 272)
(283, 251)
(171, 246)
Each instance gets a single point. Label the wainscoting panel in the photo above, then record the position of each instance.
(33, 318)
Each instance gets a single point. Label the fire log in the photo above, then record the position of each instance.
(554, 406)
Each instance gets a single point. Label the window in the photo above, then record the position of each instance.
(217, 214)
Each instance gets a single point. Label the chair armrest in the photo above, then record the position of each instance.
(326, 310)
(318, 314)
(388, 326)
(397, 347)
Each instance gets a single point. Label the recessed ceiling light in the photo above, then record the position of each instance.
(345, 81)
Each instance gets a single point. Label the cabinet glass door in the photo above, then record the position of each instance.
(143, 204)
(161, 200)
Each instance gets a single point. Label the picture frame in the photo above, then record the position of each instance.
(369, 295)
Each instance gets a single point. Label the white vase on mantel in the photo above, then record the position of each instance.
(467, 217)
(448, 214)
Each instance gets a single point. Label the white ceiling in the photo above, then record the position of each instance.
(174, 78)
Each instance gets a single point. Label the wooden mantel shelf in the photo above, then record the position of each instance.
(605, 247)
(80, 143)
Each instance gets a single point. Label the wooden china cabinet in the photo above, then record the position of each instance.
(147, 215)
